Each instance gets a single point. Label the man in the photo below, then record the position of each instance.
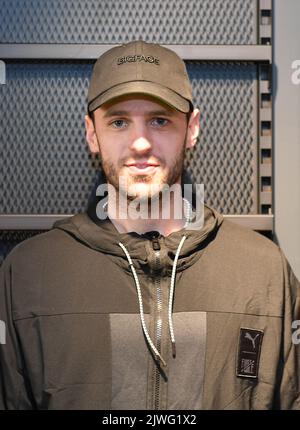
(127, 312)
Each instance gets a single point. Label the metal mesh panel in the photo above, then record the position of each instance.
(44, 161)
(119, 21)
(224, 159)
(42, 138)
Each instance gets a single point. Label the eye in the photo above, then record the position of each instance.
(119, 123)
(159, 122)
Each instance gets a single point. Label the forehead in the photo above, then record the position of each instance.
(137, 104)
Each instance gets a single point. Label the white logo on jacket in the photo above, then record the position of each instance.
(248, 336)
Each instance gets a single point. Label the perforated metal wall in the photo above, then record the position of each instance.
(119, 21)
(224, 159)
(44, 160)
(45, 164)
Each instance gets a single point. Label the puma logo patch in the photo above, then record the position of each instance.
(248, 336)
(249, 346)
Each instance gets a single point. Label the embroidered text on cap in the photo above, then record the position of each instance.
(134, 58)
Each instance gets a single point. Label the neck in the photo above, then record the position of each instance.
(163, 215)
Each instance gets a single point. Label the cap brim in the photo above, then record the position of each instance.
(157, 91)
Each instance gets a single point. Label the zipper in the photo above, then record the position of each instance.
(158, 328)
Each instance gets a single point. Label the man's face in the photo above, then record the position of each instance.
(141, 140)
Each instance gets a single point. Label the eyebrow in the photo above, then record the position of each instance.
(111, 112)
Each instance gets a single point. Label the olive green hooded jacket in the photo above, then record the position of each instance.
(95, 319)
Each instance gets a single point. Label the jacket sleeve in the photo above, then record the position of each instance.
(288, 388)
(13, 387)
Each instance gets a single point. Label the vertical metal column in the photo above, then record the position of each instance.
(265, 112)
(287, 128)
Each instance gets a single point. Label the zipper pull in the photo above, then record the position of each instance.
(153, 236)
(155, 242)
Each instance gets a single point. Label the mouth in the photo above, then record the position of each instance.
(142, 168)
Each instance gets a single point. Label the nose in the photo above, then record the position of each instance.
(141, 145)
(140, 140)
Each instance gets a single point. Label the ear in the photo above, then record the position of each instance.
(90, 135)
(193, 129)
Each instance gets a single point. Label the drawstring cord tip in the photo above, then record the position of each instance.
(173, 349)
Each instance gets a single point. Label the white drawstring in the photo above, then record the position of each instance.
(137, 283)
(171, 296)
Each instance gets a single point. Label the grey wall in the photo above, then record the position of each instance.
(287, 130)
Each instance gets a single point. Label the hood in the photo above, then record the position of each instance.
(102, 235)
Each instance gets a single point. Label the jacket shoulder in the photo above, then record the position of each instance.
(250, 254)
(243, 239)
(37, 247)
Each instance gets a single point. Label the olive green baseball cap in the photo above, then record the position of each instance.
(139, 67)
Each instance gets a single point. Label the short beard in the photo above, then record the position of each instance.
(173, 176)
